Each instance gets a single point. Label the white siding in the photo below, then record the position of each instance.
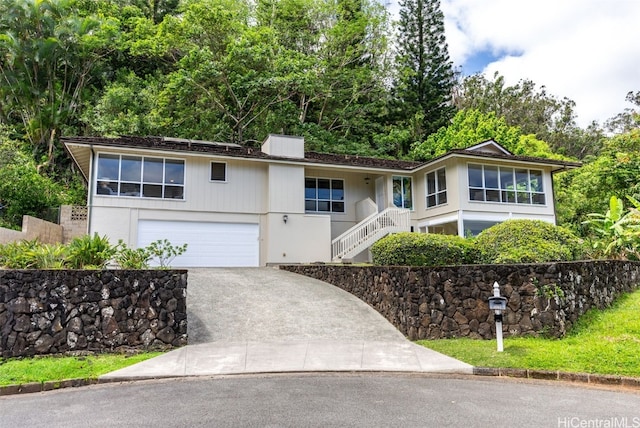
(286, 188)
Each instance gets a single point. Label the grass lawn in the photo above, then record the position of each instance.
(602, 342)
(42, 369)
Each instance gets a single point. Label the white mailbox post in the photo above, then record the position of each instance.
(498, 304)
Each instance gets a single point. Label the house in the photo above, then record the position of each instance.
(240, 206)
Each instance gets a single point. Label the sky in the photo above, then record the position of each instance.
(585, 50)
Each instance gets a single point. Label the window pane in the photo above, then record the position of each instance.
(337, 207)
(174, 171)
(506, 178)
(536, 180)
(406, 195)
(491, 177)
(538, 198)
(218, 171)
(476, 194)
(524, 198)
(108, 166)
(152, 191)
(508, 196)
(173, 192)
(442, 179)
(152, 170)
(522, 179)
(310, 205)
(324, 191)
(323, 206)
(310, 189)
(131, 168)
(431, 183)
(442, 198)
(475, 176)
(129, 189)
(493, 196)
(431, 201)
(337, 190)
(105, 187)
(397, 192)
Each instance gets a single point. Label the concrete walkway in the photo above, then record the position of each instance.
(263, 320)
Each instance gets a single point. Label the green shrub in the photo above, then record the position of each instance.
(131, 258)
(89, 252)
(526, 241)
(423, 249)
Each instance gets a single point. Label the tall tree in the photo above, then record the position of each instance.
(425, 76)
(47, 58)
(629, 119)
(533, 110)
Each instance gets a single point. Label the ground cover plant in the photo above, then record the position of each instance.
(602, 342)
(20, 371)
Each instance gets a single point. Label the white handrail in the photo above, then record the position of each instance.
(369, 230)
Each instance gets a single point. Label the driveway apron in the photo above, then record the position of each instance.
(257, 320)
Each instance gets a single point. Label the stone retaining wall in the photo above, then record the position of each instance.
(445, 302)
(57, 311)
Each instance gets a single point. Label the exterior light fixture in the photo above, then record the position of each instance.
(367, 180)
(285, 218)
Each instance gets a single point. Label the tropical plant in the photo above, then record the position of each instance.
(163, 252)
(617, 232)
(89, 251)
(16, 255)
(46, 256)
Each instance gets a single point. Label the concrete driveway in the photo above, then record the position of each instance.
(263, 320)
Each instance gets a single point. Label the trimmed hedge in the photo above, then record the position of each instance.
(526, 241)
(423, 249)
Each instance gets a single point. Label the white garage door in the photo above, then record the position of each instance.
(209, 244)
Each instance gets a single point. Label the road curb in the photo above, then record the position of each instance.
(588, 378)
(593, 379)
(29, 388)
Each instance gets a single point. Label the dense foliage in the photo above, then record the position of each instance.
(527, 241)
(423, 249)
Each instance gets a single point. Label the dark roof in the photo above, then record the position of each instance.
(234, 150)
(559, 163)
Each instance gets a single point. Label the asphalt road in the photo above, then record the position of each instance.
(331, 400)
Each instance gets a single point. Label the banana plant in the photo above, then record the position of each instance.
(618, 230)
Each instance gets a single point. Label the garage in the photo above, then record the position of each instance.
(210, 244)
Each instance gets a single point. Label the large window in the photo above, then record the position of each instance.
(436, 188)
(506, 185)
(323, 195)
(140, 176)
(402, 192)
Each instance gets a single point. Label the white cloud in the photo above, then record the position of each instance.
(586, 50)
